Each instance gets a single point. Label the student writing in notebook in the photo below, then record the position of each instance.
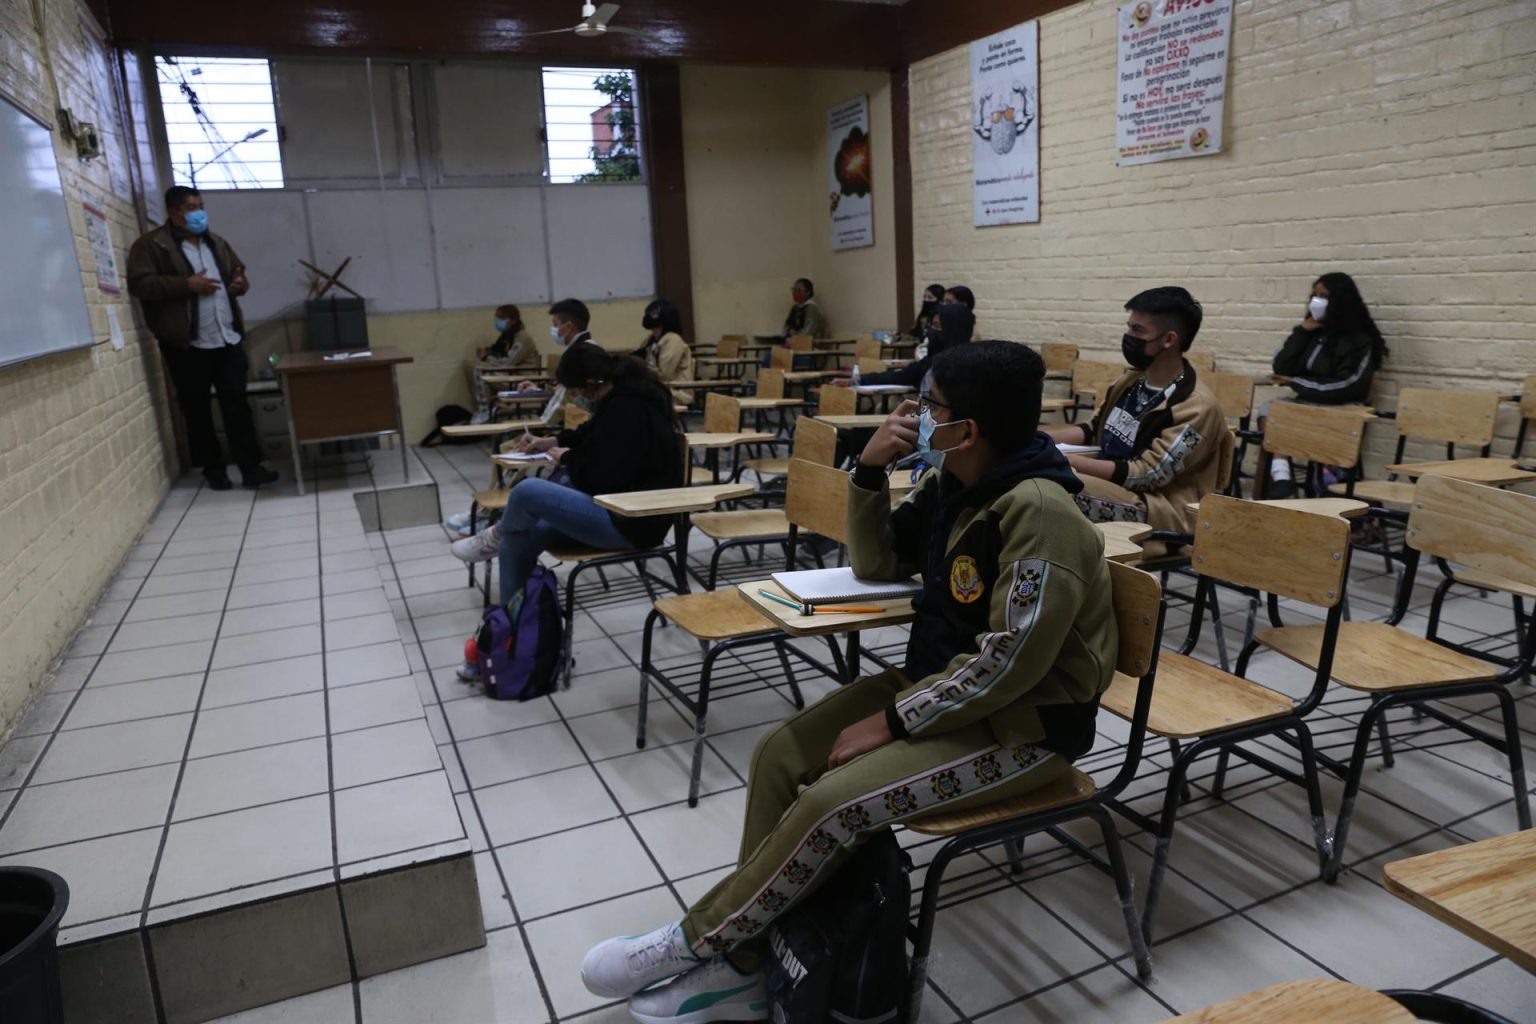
(1014, 640)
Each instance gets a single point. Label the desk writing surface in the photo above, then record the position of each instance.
(1485, 889)
(761, 404)
(854, 422)
(1122, 540)
(315, 362)
(892, 613)
(1494, 472)
(727, 440)
(672, 500)
(1349, 508)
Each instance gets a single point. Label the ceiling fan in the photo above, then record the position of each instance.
(594, 22)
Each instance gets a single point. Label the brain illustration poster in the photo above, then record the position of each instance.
(1005, 124)
(1171, 78)
(852, 207)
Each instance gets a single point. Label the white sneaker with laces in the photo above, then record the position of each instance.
(624, 966)
(716, 991)
(482, 547)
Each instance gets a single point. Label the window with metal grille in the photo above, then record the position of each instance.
(220, 122)
(591, 124)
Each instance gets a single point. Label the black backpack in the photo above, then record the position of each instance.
(841, 955)
(449, 416)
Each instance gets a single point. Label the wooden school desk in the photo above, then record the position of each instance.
(1493, 472)
(1486, 890)
(892, 613)
(343, 399)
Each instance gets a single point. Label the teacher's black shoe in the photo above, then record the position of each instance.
(217, 481)
(256, 476)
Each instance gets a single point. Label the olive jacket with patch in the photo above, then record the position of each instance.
(1183, 449)
(157, 274)
(1015, 624)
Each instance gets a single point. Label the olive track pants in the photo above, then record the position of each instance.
(802, 818)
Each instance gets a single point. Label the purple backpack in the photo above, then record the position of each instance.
(520, 654)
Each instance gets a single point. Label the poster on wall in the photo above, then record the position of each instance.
(1005, 119)
(852, 207)
(1171, 78)
(99, 233)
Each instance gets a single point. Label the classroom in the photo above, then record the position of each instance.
(838, 510)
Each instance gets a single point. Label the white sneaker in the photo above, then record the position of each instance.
(482, 547)
(624, 966)
(716, 991)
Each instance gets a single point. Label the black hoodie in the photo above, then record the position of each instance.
(957, 324)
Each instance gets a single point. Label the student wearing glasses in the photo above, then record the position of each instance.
(1014, 641)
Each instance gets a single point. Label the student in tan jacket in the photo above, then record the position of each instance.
(664, 350)
(1163, 441)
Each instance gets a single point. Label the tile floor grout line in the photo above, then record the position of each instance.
(506, 891)
(170, 811)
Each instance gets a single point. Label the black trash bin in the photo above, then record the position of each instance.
(32, 902)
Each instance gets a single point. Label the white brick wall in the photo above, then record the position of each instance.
(1392, 139)
(84, 441)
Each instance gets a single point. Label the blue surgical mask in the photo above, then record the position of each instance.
(501, 326)
(554, 332)
(197, 221)
(926, 425)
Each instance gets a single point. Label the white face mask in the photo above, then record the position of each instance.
(554, 332)
(1318, 307)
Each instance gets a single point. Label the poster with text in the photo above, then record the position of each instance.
(1005, 119)
(99, 233)
(849, 161)
(1171, 78)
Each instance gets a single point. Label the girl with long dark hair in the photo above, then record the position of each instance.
(664, 349)
(630, 444)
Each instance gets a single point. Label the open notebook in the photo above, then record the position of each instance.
(812, 587)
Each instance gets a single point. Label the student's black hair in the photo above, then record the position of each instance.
(176, 195)
(957, 324)
(1173, 309)
(1347, 313)
(670, 316)
(937, 290)
(963, 295)
(805, 285)
(997, 384)
(572, 310)
(584, 365)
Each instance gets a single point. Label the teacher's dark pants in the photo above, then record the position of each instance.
(194, 371)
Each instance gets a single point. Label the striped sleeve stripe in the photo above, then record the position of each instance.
(1337, 385)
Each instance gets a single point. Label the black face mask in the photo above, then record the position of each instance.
(650, 322)
(1135, 352)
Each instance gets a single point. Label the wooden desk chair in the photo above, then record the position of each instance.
(1093, 380)
(1234, 394)
(1315, 436)
(835, 401)
(781, 358)
(1304, 1002)
(866, 348)
(1449, 416)
(1203, 360)
(722, 622)
(1527, 412)
(770, 385)
(1482, 528)
(552, 362)
(1059, 358)
(1139, 614)
(1200, 709)
(814, 442)
(573, 415)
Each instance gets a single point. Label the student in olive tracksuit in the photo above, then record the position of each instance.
(1013, 643)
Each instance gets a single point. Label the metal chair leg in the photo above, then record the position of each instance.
(645, 676)
(1387, 760)
(1164, 840)
(1351, 790)
(789, 674)
(1516, 757)
(1013, 849)
(1219, 783)
(1124, 891)
(1320, 835)
(922, 937)
(700, 724)
(1174, 751)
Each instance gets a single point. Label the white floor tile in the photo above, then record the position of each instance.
(514, 755)
(152, 698)
(686, 840)
(378, 703)
(575, 868)
(651, 778)
(479, 715)
(383, 752)
(152, 663)
(77, 753)
(262, 618)
(87, 808)
(494, 985)
(246, 726)
(253, 595)
(262, 681)
(242, 848)
(228, 782)
(107, 877)
(366, 664)
(273, 645)
(543, 805)
(1224, 960)
(391, 817)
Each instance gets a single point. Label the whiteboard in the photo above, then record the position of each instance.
(267, 229)
(41, 290)
(489, 246)
(389, 237)
(600, 241)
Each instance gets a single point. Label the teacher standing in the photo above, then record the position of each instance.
(188, 281)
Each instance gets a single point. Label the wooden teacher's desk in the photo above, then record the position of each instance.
(331, 399)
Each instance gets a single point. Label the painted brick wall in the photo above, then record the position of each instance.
(84, 442)
(1392, 139)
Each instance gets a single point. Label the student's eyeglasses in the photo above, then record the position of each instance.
(927, 403)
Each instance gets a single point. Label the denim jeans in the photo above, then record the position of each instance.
(527, 528)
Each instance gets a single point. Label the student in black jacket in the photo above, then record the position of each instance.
(630, 444)
(1330, 357)
(951, 325)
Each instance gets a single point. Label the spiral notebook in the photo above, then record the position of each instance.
(812, 587)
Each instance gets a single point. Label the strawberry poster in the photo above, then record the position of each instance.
(852, 206)
(1171, 78)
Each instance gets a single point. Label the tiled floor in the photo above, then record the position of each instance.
(578, 836)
